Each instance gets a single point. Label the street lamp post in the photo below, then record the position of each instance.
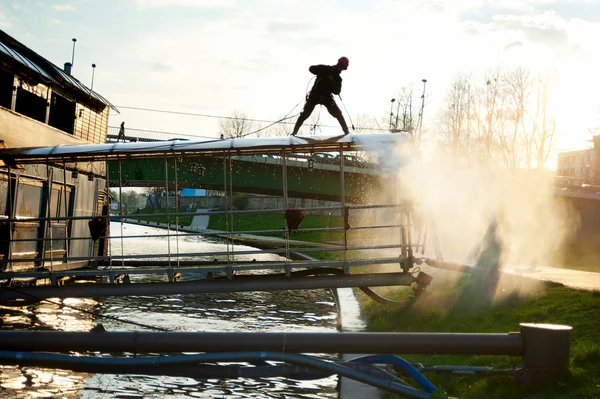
(391, 111)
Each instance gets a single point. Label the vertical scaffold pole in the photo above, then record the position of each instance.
(167, 205)
(176, 211)
(409, 249)
(49, 181)
(11, 216)
(108, 239)
(345, 215)
(121, 210)
(231, 215)
(285, 205)
(66, 208)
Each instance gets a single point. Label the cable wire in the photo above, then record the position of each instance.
(230, 117)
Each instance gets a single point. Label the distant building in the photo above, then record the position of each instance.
(193, 192)
(580, 167)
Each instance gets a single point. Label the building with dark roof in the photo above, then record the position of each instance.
(47, 105)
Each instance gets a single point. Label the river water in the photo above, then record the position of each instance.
(311, 311)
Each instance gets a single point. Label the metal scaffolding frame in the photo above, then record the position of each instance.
(111, 268)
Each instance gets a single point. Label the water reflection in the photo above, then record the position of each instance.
(245, 311)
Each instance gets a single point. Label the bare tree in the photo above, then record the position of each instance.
(366, 123)
(235, 126)
(488, 115)
(544, 125)
(517, 138)
(406, 113)
(456, 115)
(280, 129)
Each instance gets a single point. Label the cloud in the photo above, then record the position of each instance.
(158, 67)
(4, 22)
(149, 4)
(63, 7)
(546, 29)
(279, 27)
(513, 45)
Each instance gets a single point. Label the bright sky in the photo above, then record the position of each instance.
(217, 56)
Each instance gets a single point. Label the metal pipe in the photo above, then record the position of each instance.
(120, 206)
(167, 206)
(48, 229)
(203, 233)
(107, 231)
(205, 254)
(166, 362)
(345, 214)
(286, 231)
(258, 283)
(253, 252)
(176, 211)
(300, 342)
(66, 207)
(11, 203)
(200, 268)
(154, 215)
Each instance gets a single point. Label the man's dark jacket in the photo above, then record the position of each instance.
(328, 81)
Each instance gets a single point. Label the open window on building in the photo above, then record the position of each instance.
(6, 88)
(62, 113)
(30, 103)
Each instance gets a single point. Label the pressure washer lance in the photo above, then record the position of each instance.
(349, 118)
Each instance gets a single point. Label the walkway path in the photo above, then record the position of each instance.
(200, 222)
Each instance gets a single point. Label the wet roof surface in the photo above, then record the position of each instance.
(239, 146)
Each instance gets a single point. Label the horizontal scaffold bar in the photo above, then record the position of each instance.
(192, 266)
(359, 343)
(237, 284)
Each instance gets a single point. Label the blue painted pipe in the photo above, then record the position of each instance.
(406, 366)
(52, 360)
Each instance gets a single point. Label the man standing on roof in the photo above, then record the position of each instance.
(327, 83)
(121, 135)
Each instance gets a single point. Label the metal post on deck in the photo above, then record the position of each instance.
(176, 211)
(12, 217)
(228, 189)
(345, 214)
(49, 179)
(107, 231)
(409, 249)
(285, 206)
(167, 205)
(66, 210)
(231, 215)
(121, 210)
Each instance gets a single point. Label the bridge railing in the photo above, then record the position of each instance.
(144, 135)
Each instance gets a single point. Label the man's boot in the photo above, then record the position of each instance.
(344, 126)
(296, 127)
